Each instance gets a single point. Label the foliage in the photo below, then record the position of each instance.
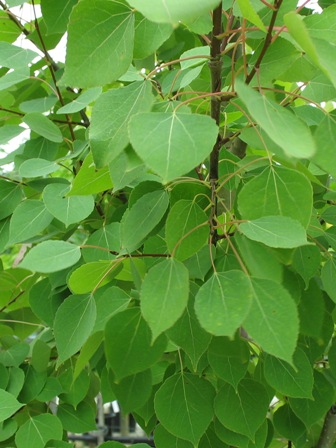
(167, 230)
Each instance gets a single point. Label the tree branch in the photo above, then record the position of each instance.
(328, 433)
(267, 43)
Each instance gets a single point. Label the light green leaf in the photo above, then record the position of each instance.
(14, 77)
(189, 335)
(328, 277)
(37, 167)
(275, 231)
(149, 36)
(146, 213)
(43, 126)
(282, 126)
(68, 209)
(110, 116)
(194, 61)
(8, 429)
(112, 301)
(128, 346)
(91, 276)
(229, 359)
(74, 321)
(325, 137)
(15, 57)
(89, 180)
(56, 14)
(39, 104)
(102, 241)
(277, 191)
(88, 350)
(51, 256)
(187, 229)
(8, 405)
(193, 398)
(306, 261)
(250, 14)
(294, 382)
(164, 295)
(172, 11)
(273, 319)
(223, 302)
(322, 25)
(242, 411)
(29, 219)
(196, 134)
(14, 355)
(106, 42)
(38, 430)
(8, 132)
(83, 100)
(10, 197)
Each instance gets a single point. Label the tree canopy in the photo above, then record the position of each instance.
(168, 227)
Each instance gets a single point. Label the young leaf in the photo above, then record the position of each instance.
(277, 191)
(196, 134)
(91, 276)
(186, 229)
(282, 126)
(110, 116)
(250, 14)
(275, 231)
(223, 302)
(51, 256)
(242, 411)
(74, 321)
(147, 212)
(193, 397)
(128, 344)
(273, 313)
(68, 209)
(164, 295)
(107, 42)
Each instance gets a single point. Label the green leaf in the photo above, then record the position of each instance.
(80, 419)
(38, 430)
(10, 197)
(37, 167)
(88, 350)
(322, 25)
(8, 132)
(56, 14)
(172, 11)
(29, 219)
(193, 398)
(107, 42)
(51, 256)
(250, 14)
(91, 276)
(287, 424)
(164, 295)
(8, 429)
(15, 57)
(243, 411)
(89, 180)
(187, 229)
(196, 134)
(68, 209)
(129, 347)
(273, 319)
(282, 126)
(99, 244)
(39, 105)
(110, 116)
(189, 335)
(14, 355)
(311, 411)
(275, 231)
(328, 276)
(277, 191)
(82, 101)
(149, 36)
(306, 262)
(325, 137)
(284, 378)
(164, 439)
(223, 302)
(8, 405)
(74, 321)
(43, 126)
(229, 359)
(112, 301)
(133, 391)
(147, 212)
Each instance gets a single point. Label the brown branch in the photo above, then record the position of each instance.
(267, 43)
